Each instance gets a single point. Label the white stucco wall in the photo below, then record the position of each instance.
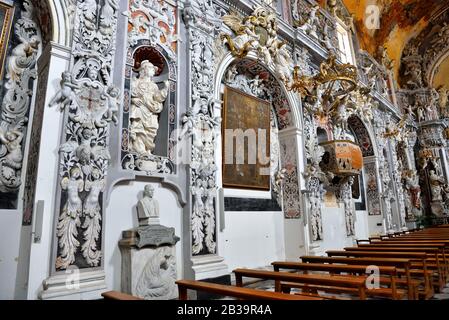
(10, 229)
(253, 239)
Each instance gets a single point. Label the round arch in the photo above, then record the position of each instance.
(56, 19)
(293, 100)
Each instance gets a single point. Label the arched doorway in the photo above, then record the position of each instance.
(266, 222)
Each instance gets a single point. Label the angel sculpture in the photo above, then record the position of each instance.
(66, 95)
(69, 220)
(112, 95)
(246, 39)
(21, 55)
(85, 151)
(283, 63)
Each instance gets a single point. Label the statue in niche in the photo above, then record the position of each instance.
(436, 183)
(147, 102)
(157, 280)
(148, 207)
(412, 186)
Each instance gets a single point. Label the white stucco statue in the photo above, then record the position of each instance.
(436, 183)
(147, 102)
(148, 207)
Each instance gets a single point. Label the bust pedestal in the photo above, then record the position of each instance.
(149, 262)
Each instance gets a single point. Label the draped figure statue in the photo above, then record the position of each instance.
(147, 102)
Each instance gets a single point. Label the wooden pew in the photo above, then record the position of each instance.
(115, 295)
(417, 259)
(441, 244)
(391, 292)
(236, 292)
(357, 283)
(438, 262)
(402, 268)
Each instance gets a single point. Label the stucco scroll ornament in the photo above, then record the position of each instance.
(70, 219)
(209, 215)
(11, 156)
(21, 70)
(199, 124)
(197, 221)
(95, 184)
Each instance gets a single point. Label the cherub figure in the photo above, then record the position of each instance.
(66, 95)
(112, 94)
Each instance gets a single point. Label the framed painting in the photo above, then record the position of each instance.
(6, 17)
(246, 141)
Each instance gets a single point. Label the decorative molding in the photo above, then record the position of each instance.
(21, 71)
(200, 126)
(91, 103)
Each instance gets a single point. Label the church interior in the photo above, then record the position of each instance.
(224, 149)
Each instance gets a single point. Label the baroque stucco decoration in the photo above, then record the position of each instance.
(91, 102)
(257, 34)
(21, 70)
(200, 125)
(152, 36)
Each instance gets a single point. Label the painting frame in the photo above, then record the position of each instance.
(256, 182)
(6, 19)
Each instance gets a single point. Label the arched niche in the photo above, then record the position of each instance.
(162, 161)
(366, 187)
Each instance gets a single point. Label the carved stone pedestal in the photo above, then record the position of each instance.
(149, 262)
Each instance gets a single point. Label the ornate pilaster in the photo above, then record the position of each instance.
(90, 102)
(17, 96)
(201, 126)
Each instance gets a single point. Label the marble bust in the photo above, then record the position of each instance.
(148, 208)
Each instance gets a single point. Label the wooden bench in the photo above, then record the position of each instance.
(115, 295)
(438, 262)
(418, 262)
(236, 292)
(402, 268)
(305, 279)
(391, 292)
